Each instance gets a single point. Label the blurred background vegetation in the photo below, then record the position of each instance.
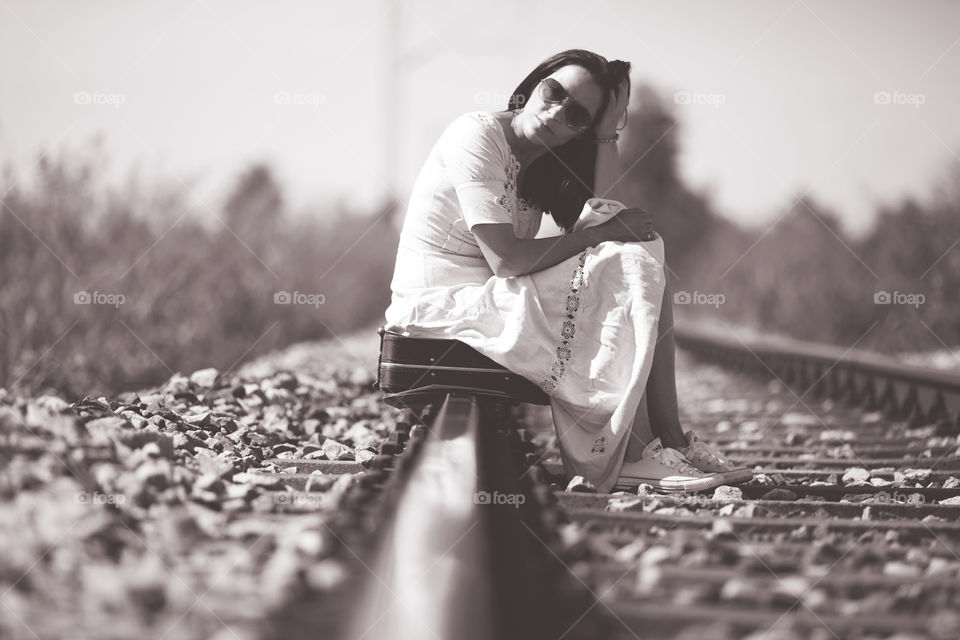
(199, 284)
(802, 276)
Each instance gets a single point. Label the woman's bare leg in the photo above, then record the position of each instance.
(640, 433)
(658, 414)
(661, 390)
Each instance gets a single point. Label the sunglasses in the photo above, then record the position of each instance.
(577, 116)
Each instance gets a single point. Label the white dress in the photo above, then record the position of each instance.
(584, 330)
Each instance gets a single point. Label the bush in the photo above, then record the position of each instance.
(197, 286)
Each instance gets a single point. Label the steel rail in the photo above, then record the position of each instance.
(871, 381)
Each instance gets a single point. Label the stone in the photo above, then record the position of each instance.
(901, 569)
(727, 494)
(916, 475)
(579, 484)
(326, 575)
(205, 378)
(644, 489)
(779, 494)
(855, 475)
(625, 503)
(334, 450)
(721, 527)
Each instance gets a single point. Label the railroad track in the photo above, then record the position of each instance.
(463, 525)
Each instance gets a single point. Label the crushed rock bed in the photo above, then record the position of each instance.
(143, 515)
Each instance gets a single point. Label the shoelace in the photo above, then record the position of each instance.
(676, 461)
(701, 450)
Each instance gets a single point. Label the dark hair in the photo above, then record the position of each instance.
(561, 181)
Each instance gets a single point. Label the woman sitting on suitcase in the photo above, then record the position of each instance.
(585, 315)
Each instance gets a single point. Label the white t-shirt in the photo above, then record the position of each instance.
(469, 178)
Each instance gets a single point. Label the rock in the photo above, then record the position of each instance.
(178, 383)
(779, 494)
(364, 456)
(312, 426)
(855, 474)
(579, 484)
(285, 380)
(619, 504)
(155, 473)
(334, 450)
(796, 419)
(951, 483)
(721, 527)
(794, 439)
(900, 569)
(939, 566)
(264, 480)
(197, 416)
(326, 575)
(54, 416)
(752, 591)
(762, 479)
(955, 500)
(916, 475)
(943, 624)
(205, 378)
(644, 489)
(727, 494)
(744, 511)
(655, 556)
(837, 435)
(10, 420)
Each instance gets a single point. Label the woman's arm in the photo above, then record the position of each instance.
(607, 173)
(508, 255)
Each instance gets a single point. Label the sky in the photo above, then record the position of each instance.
(847, 101)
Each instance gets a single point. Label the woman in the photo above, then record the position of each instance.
(586, 315)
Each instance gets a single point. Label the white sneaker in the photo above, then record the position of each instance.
(666, 469)
(709, 461)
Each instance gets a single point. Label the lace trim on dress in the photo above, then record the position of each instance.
(510, 201)
(568, 330)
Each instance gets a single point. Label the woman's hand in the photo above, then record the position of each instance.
(630, 225)
(607, 125)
